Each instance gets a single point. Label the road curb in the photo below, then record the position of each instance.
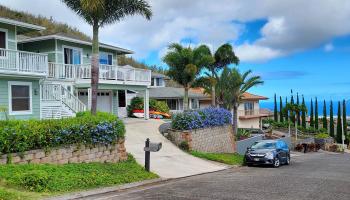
(113, 189)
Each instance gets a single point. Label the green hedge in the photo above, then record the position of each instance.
(24, 135)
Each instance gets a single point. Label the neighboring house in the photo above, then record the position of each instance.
(249, 112)
(50, 76)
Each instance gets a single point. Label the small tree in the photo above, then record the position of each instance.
(275, 116)
(298, 113)
(303, 115)
(316, 114)
(286, 114)
(292, 115)
(331, 120)
(281, 110)
(324, 119)
(339, 126)
(312, 122)
(293, 109)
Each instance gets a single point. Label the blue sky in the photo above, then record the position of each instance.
(300, 45)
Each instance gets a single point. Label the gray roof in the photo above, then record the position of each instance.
(173, 92)
(159, 75)
(24, 27)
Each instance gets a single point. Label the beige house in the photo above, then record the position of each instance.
(249, 112)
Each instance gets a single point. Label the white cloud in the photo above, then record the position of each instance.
(328, 47)
(256, 53)
(291, 26)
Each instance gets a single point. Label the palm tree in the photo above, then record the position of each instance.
(230, 87)
(99, 13)
(223, 56)
(185, 64)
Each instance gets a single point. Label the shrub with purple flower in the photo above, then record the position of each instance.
(21, 135)
(195, 119)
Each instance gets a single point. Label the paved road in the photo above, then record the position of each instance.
(311, 176)
(170, 161)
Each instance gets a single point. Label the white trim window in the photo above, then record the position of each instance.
(20, 98)
(106, 58)
(72, 55)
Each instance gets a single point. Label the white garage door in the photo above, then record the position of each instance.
(104, 100)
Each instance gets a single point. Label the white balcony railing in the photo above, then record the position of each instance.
(248, 112)
(23, 62)
(106, 72)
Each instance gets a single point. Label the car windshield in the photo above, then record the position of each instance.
(264, 145)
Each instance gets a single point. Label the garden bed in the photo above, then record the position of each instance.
(34, 181)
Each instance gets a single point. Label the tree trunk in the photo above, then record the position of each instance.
(213, 100)
(94, 69)
(235, 120)
(186, 99)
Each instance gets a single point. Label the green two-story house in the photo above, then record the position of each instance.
(63, 86)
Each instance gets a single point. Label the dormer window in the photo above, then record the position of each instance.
(157, 82)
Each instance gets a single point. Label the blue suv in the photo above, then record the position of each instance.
(268, 152)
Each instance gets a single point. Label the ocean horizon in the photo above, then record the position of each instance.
(270, 105)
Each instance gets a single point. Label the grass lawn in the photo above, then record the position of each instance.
(33, 181)
(227, 158)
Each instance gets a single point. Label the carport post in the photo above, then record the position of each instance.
(146, 103)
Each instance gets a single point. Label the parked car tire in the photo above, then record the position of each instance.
(288, 160)
(276, 162)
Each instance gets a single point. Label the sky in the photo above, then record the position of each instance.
(302, 45)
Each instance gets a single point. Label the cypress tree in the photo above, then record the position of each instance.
(344, 119)
(292, 116)
(331, 120)
(316, 114)
(339, 127)
(303, 115)
(298, 113)
(324, 119)
(275, 116)
(312, 123)
(286, 114)
(281, 110)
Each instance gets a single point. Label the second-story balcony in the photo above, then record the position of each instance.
(249, 114)
(13, 62)
(109, 74)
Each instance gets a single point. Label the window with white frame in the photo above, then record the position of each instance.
(106, 58)
(72, 56)
(172, 104)
(20, 97)
(3, 42)
(249, 108)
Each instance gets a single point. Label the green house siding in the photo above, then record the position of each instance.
(11, 35)
(56, 55)
(4, 98)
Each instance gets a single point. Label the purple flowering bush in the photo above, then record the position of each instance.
(195, 119)
(24, 135)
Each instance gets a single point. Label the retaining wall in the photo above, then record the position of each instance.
(217, 139)
(70, 154)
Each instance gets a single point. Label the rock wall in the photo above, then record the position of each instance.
(217, 139)
(70, 154)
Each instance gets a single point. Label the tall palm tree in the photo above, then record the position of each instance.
(223, 56)
(185, 64)
(99, 13)
(230, 87)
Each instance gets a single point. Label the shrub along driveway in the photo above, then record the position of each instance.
(170, 161)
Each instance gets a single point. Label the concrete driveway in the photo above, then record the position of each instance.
(170, 161)
(321, 176)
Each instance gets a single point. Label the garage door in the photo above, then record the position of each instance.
(104, 100)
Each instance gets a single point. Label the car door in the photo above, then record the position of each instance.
(281, 150)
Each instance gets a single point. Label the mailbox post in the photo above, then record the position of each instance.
(150, 147)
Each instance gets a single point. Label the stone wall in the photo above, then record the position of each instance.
(217, 139)
(70, 154)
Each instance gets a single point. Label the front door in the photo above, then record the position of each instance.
(122, 103)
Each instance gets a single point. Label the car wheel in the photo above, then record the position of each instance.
(276, 162)
(288, 160)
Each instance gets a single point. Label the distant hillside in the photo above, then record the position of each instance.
(51, 26)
